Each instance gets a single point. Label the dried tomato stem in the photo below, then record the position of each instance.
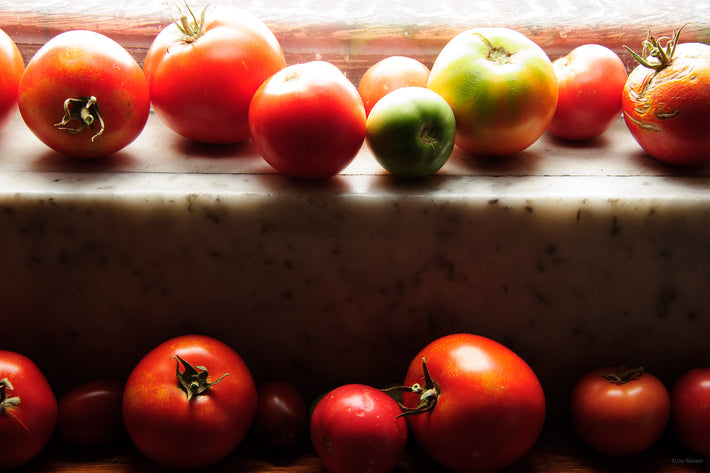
(428, 394)
(193, 379)
(657, 53)
(623, 374)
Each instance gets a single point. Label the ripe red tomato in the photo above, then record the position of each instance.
(202, 73)
(90, 414)
(666, 101)
(690, 410)
(308, 120)
(12, 66)
(189, 402)
(83, 95)
(479, 408)
(28, 410)
(501, 87)
(619, 411)
(591, 80)
(358, 429)
(280, 420)
(389, 74)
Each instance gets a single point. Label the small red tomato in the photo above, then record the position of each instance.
(83, 95)
(620, 411)
(12, 66)
(690, 410)
(90, 414)
(280, 420)
(28, 410)
(591, 80)
(389, 74)
(358, 429)
(308, 120)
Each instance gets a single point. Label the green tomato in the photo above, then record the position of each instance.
(501, 86)
(411, 132)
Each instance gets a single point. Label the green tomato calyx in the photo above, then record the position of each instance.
(85, 110)
(657, 53)
(495, 53)
(7, 402)
(193, 379)
(623, 374)
(190, 27)
(428, 394)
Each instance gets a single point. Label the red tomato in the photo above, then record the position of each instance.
(690, 410)
(90, 414)
(358, 429)
(591, 80)
(12, 66)
(618, 411)
(280, 420)
(203, 73)
(389, 74)
(83, 95)
(189, 402)
(28, 410)
(308, 120)
(482, 407)
(666, 101)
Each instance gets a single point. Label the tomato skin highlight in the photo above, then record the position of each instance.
(90, 413)
(491, 406)
(26, 428)
(195, 433)
(690, 410)
(233, 57)
(78, 65)
(12, 67)
(388, 75)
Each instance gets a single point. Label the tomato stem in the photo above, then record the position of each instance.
(495, 53)
(657, 53)
(193, 379)
(428, 394)
(191, 30)
(623, 374)
(5, 401)
(85, 111)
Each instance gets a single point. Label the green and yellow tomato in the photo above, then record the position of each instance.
(411, 131)
(501, 86)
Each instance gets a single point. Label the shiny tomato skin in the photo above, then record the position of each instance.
(491, 406)
(591, 80)
(667, 112)
(12, 67)
(90, 413)
(202, 89)
(308, 120)
(356, 429)
(619, 419)
(281, 417)
(690, 410)
(181, 433)
(501, 86)
(26, 427)
(81, 64)
(388, 74)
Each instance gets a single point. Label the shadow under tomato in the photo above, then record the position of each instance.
(522, 163)
(195, 149)
(51, 161)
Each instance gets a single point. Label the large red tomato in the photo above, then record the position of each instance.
(12, 66)
(308, 120)
(202, 73)
(591, 79)
(388, 74)
(476, 406)
(666, 101)
(189, 402)
(619, 411)
(690, 410)
(28, 410)
(84, 95)
(501, 87)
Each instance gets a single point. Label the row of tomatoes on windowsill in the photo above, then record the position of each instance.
(469, 402)
(220, 76)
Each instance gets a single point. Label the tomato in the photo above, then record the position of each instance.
(83, 95)
(474, 405)
(411, 132)
(308, 120)
(619, 411)
(591, 80)
(202, 73)
(12, 66)
(189, 402)
(280, 420)
(690, 410)
(391, 73)
(358, 429)
(666, 101)
(28, 410)
(90, 413)
(501, 86)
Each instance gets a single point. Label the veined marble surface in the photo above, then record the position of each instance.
(575, 256)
